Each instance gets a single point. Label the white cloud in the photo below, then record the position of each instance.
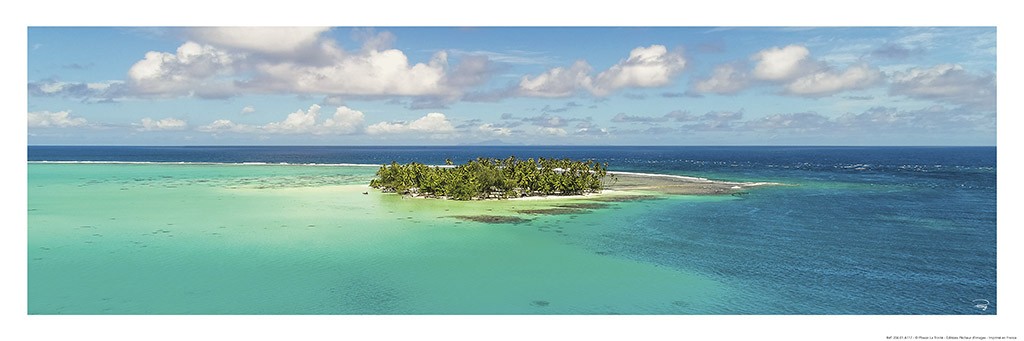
(220, 126)
(296, 123)
(188, 71)
(148, 124)
(432, 123)
(94, 90)
(793, 68)
(726, 79)
(552, 131)
(946, 82)
(270, 40)
(645, 67)
(385, 72)
(490, 129)
(53, 87)
(248, 109)
(781, 64)
(592, 131)
(828, 82)
(223, 62)
(557, 82)
(344, 121)
(60, 119)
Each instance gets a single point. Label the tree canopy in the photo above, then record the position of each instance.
(486, 178)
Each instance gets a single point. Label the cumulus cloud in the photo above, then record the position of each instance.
(224, 62)
(345, 120)
(557, 82)
(60, 119)
(782, 63)
(828, 82)
(170, 123)
(222, 126)
(792, 68)
(646, 67)
(248, 109)
(432, 123)
(492, 130)
(190, 70)
(89, 90)
(948, 83)
(296, 123)
(268, 40)
(551, 131)
(386, 72)
(591, 131)
(725, 79)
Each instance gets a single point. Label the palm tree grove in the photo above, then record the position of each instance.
(487, 178)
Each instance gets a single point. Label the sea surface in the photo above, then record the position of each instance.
(295, 230)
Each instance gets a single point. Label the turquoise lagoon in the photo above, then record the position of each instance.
(167, 238)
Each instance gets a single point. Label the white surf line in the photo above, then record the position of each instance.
(696, 179)
(681, 177)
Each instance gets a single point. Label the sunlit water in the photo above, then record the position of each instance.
(169, 238)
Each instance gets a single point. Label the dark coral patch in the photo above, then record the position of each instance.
(624, 198)
(552, 211)
(585, 205)
(492, 219)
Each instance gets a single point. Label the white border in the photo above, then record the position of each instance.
(517, 13)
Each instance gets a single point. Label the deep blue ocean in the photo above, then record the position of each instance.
(864, 230)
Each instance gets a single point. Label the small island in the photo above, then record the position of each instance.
(487, 178)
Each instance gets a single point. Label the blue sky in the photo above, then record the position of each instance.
(512, 85)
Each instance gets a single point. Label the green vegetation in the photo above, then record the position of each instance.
(486, 178)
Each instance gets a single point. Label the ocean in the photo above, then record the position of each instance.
(289, 230)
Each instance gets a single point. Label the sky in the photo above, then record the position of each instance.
(511, 85)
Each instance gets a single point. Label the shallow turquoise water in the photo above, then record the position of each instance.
(278, 239)
(877, 230)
